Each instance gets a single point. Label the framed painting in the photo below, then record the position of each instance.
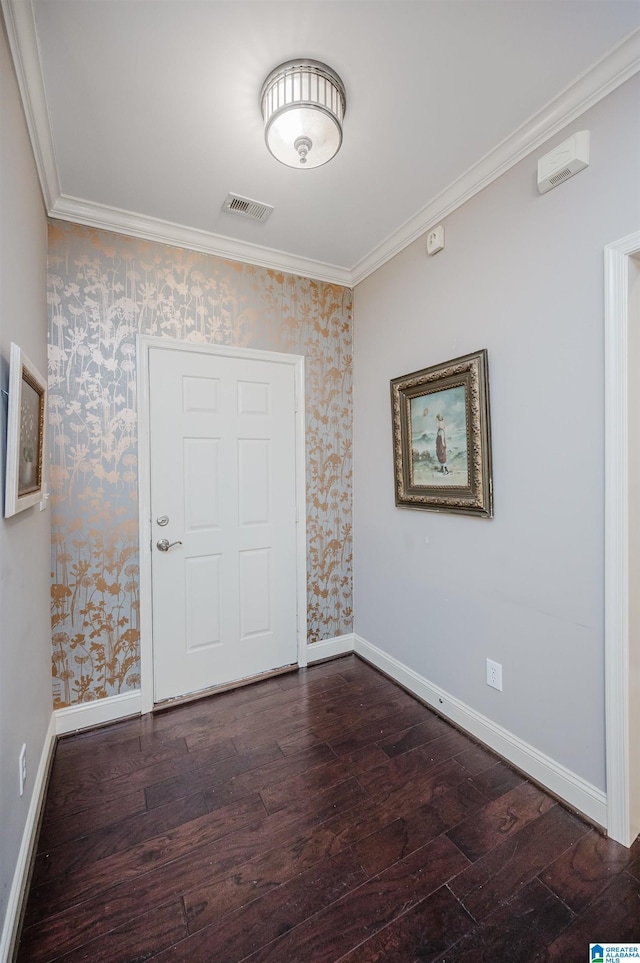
(442, 437)
(25, 434)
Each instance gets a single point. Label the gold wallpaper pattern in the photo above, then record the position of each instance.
(103, 289)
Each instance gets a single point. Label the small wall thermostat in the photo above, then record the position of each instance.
(435, 239)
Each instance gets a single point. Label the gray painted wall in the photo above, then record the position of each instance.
(25, 648)
(521, 275)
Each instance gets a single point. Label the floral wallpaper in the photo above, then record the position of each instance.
(103, 289)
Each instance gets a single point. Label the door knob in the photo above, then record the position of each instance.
(163, 544)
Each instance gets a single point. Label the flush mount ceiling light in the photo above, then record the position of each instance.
(303, 105)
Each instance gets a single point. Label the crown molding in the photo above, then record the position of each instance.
(593, 85)
(179, 235)
(610, 72)
(20, 23)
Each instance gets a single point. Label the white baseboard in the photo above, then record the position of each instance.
(330, 649)
(20, 877)
(562, 782)
(97, 713)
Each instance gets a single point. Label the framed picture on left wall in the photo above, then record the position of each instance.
(25, 434)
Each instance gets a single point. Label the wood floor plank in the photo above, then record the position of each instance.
(517, 931)
(364, 759)
(395, 802)
(240, 718)
(398, 839)
(328, 721)
(421, 934)
(315, 674)
(110, 766)
(66, 826)
(334, 931)
(425, 731)
(262, 778)
(336, 835)
(613, 917)
(117, 837)
(321, 805)
(374, 731)
(500, 819)
(56, 914)
(581, 873)
(356, 670)
(137, 772)
(457, 804)
(216, 705)
(171, 764)
(139, 939)
(214, 777)
(245, 882)
(140, 859)
(364, 706)
(412, 765)
(495, 877)
(476, 759)
(634, 869)
(278, 795)
(84, 749)
(248, 929)
(497, 780)
(295, 711)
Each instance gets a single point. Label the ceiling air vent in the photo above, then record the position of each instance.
(245, 207)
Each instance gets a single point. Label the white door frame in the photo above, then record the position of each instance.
(144, 345)
(622, 741)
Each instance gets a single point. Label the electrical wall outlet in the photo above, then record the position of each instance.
(22, 768)
(494, 674)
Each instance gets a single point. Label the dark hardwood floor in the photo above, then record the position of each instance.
(314, 817)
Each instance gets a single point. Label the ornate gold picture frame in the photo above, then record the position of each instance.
(442, 437)
(25, 434)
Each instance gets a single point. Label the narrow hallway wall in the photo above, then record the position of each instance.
(25, 691)
(522, 275)
(104, 289)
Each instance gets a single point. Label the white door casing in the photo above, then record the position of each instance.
(230, 601)
(622, 548)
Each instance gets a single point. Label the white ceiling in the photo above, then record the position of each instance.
(145, 113)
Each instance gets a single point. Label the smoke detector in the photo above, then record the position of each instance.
(563, 161)
(245, 207)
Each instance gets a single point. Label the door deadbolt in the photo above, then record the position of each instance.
(162, 520)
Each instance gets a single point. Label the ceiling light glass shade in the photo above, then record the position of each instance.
(303, 105)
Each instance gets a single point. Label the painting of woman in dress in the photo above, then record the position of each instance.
(441, 445)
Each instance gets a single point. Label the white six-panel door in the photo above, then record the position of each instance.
(222, 443)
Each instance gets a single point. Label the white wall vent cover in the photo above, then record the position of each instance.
(245, 207)
(563, 161)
